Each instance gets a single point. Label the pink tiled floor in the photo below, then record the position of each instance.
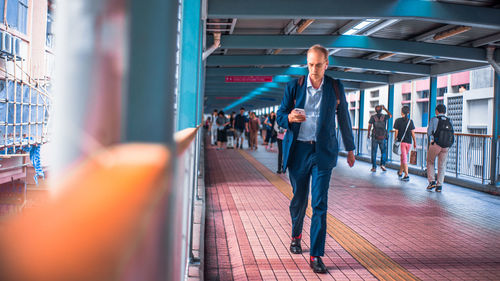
(454, 235)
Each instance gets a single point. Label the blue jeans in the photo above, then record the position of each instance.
(302, 168)
(383, 150)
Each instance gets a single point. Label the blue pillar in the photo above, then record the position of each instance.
(390, 106)
(149, 102)
(190, 65)
(432, 97)
(360, 119)
(495, 130)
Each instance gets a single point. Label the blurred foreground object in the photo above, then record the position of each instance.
(92, 230)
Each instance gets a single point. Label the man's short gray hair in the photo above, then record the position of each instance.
(320, 49)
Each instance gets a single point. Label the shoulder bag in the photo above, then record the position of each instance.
(396, 147)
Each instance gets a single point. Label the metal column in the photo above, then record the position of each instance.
(390, 105)
(360, 119)
(149, 105)
(190, 64)
(432, 97)
(149, 108)
(495, 130)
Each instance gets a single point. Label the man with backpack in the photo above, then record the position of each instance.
(441, 138)
(379, 136)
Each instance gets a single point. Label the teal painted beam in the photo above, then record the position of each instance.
(355, 42)
(432, 97)
(423, 10)
(360, 119)
(150, 97)
(352, 76)
(390, 105)
(496, 130)
(365, 64)
(190, 64)
(214, 81)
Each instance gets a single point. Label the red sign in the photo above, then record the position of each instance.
(249, 79)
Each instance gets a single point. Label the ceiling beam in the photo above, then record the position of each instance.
(423, 10)
(336, 61)
(351, 76)
(354, 42)
(486, 40)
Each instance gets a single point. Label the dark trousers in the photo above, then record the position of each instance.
(302, 167)
(383, 152)
(280, 155)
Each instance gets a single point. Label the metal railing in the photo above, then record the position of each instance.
(469, 158)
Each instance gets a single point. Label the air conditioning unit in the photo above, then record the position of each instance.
(6, 44)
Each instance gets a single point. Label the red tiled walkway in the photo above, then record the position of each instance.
(448, 236)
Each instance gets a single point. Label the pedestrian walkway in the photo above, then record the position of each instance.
(378, 227)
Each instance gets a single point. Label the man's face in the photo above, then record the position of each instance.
(317, 64)
(242, 111)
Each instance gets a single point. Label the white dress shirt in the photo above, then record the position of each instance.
(311, 107)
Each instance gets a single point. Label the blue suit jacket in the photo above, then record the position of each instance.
(327, 146)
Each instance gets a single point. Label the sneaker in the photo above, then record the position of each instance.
(383, 168)
(399, 175)
(439, 188)
(373, 170)
(407, 178)
(431, 185)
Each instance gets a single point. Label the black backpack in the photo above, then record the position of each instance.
(444, 135)
(379, 127)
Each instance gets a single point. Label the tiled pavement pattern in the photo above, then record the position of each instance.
(449, 236)
(454, 235)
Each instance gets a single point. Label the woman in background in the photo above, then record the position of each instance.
(405, 132)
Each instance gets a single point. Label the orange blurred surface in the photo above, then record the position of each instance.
(86, 232)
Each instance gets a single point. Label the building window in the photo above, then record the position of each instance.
(442, 91)
(353, 104)
(406, 96)
(478, 131)
(17, 14)
(375, 94)
(50, 36)
(460, 88)
(423, 94)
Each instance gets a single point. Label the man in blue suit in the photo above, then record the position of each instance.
(310, 147)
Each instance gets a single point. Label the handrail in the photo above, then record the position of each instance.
(93, 229)
(456, 134)
(184, 138)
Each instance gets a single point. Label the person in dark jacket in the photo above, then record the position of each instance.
(306, 109)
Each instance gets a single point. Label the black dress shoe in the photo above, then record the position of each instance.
(295, 246)
(278, 172)
(317, 265)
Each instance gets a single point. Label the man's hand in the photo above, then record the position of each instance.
(294, 116)
(350, 158)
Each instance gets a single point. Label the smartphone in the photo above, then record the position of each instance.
(300, 111)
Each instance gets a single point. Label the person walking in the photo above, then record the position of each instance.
(263, 129)
(441, 135)
(379, 136)
(221, 122)
(280, 135)
(253, 127)
(213, 128)
(307, 108)
(239, 125)
(271, 133)
(405, 133)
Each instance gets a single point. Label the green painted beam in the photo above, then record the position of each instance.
(352, 76)
(423, 10)
(375, 65)
(355, 42)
